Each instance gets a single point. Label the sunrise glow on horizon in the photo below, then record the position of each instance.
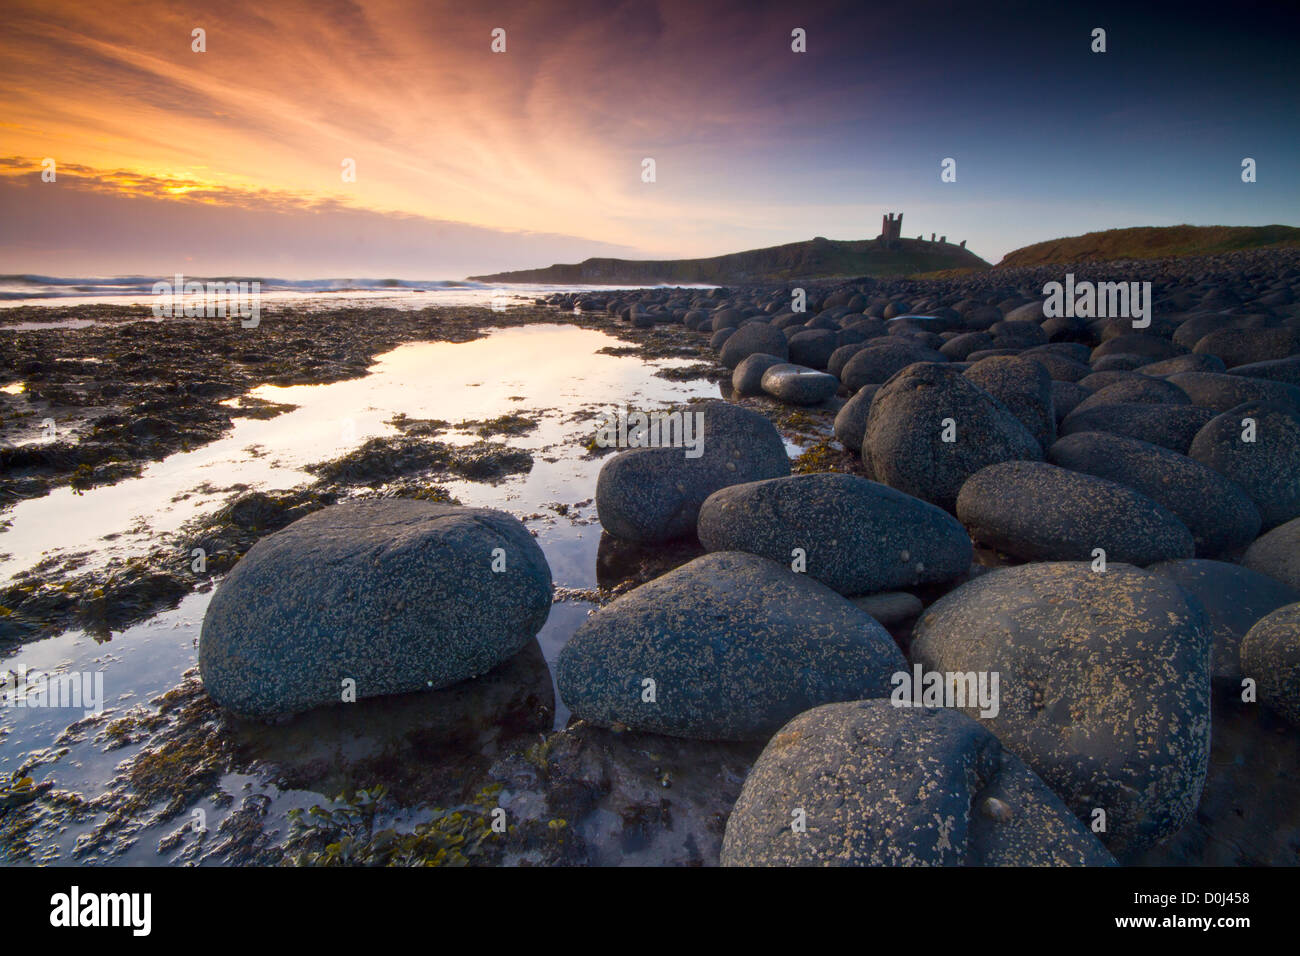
(229, 159)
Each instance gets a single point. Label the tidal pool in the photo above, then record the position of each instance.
(552, 374)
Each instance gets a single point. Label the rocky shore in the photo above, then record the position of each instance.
(1092, 521)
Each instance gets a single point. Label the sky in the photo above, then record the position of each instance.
(232, 160)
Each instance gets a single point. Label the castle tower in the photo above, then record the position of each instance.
(891, 226)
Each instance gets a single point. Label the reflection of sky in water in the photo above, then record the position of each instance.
(550, 372)
(554, 370)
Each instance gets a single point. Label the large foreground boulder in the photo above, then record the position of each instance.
(869, 784)
(732, 645)
(391, 595)
(1104, 686)
(856, 536)
(654, 494)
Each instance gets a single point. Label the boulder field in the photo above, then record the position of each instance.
(1042, 560)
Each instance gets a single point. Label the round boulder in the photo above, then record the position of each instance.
(1169, 426)
(930, 428)
(747, 379)
(1233, 599)
(1270, 654)
(727, 647)
(1024, 387)
(1039, 512)
(877, 785)
(881, 359)
(856, 536)
(1104, 686)
(393, 595)
(1219, 514)
(1257, 446)
(1277, 554)
(799, 385)
(654, 494)
(753, 339)
(851, 420)
(813, 347)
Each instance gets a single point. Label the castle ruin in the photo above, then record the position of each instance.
(891, 228)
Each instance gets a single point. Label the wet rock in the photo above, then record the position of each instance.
(1039, 512)
(1225, 392)
(851, 420)
(1152, 348)
(880, 785)
(909, 419)
(1237, 346)
(1233, 599)
(1250, 798)
(1285, 370)
(1024, 387)
(1104, 686)
(734, 645)
(877, 363)
(799, 385)
(757, 338)
(654, 494)
(1169, 426)
(1192, 362)
(1277, 554)
(891, 608)
(857, 536)
(1181, 484)
(840, 357)
(813, 347)
(1138, 390)
(1267, 468)
(626, 798)
(747, 379)
(342, 747)
(1270, 654)
(1066, 397)
(394, 595)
